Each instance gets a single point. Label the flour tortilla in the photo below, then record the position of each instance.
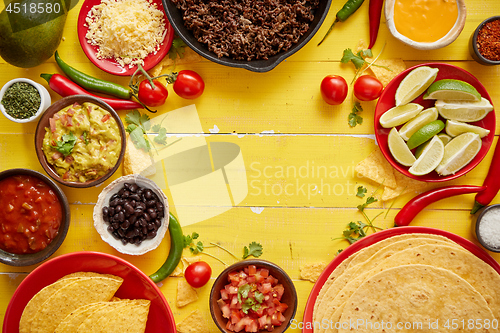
(479, 274)
(415, 294)
(390, 246)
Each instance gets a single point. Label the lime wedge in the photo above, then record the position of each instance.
(454, 128)
(445, 138)
(429, 159)
(418, 122)
(399, 115)
(466, 111)
(449, 89)
(415, 84)
(425, 133)
(459, 152)
(399, 149)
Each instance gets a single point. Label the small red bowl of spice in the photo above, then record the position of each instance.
(23, 100)
(484, 45)
(34, 215)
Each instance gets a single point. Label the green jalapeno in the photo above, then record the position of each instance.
(175, 253)
(343, 14)
(91, 83)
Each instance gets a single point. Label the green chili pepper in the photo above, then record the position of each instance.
(343, 14)
(91, 83)
(174, 256)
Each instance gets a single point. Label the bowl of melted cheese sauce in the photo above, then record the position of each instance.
(425, 24)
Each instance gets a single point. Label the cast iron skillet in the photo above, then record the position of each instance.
(175, 17)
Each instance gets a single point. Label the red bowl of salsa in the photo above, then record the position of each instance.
(253, 295)
(35, 217)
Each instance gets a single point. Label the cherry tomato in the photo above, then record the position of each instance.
(189, 84)
(197, 274)
(367, 88)
(150, 96)
(334, 89)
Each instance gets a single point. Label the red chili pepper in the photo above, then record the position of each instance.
(66, 87)
(491, 183)
(375, 12)
(415, 205)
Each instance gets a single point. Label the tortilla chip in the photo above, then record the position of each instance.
(194, 323)
(189, 57)
(137, 161)
(178, 270)
(72, 321)
(376, 168)
(127, 316)
(312, 271)
(74, 294)
(385, 76)
(185, 293)
(404, 185)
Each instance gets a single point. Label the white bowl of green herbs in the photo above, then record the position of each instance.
(23, 100)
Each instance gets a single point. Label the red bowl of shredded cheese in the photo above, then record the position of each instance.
(118, 35)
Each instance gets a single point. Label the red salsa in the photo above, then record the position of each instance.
(30, 214)
(251, 301)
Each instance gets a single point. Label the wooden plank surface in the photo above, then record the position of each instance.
(298, 154)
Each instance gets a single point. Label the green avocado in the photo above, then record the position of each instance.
(30, 31)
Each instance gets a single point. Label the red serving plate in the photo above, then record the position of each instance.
(110, 65)
(374, 238)
(136, 285)
(387, 101)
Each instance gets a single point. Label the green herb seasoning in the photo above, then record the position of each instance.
(21, 100)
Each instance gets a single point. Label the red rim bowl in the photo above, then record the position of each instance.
(110, 65)
(387, 101)
(13, 259)
(136, 285)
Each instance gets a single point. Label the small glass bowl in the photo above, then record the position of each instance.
(482, 215)
(45, 100)
(473, 50)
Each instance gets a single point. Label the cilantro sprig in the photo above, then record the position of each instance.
(66, 145)
(254, 249)
(249, 300)
(177, 49)
(357, 230)
(359, 61)
(139, 128)
(354, 117)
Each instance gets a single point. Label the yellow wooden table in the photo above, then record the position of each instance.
(286, 135)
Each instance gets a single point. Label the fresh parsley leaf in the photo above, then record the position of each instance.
(243, 291)
(259, 297)
(361, 191)
(67, 144)
(188, 239)
(161, 138)
(354, 118)
(248, 302)
(177, 49)
(369, 201)
(138, 139)
(356, 59)
(138, 119)
(197, 248)
(156, 128)
(253, 249)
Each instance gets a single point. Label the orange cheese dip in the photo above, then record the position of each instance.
(425, 21)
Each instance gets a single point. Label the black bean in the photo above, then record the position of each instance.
(148, 194)
(111, 211)
(120, 216)
(159, 206)
(118, 208)
(152, 234)
(135, 197)
(105, 211)
(115, 225)
(146, 216)
(151, 203)
(125, 194)
(113, 202)
(133, 188)
(128, 208)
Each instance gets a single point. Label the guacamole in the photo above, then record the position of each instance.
(83, 142)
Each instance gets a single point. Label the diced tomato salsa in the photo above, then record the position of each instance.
(30, 214)
(251, 301)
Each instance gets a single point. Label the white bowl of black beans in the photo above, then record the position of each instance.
(131, 215)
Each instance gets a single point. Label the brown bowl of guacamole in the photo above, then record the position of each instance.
(80, 141)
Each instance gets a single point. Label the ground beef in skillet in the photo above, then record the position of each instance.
(247, 29)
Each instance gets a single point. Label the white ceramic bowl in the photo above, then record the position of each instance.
(442, 42)
(102, 227)
(45, 100)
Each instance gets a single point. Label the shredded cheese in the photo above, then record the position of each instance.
(126, 30)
